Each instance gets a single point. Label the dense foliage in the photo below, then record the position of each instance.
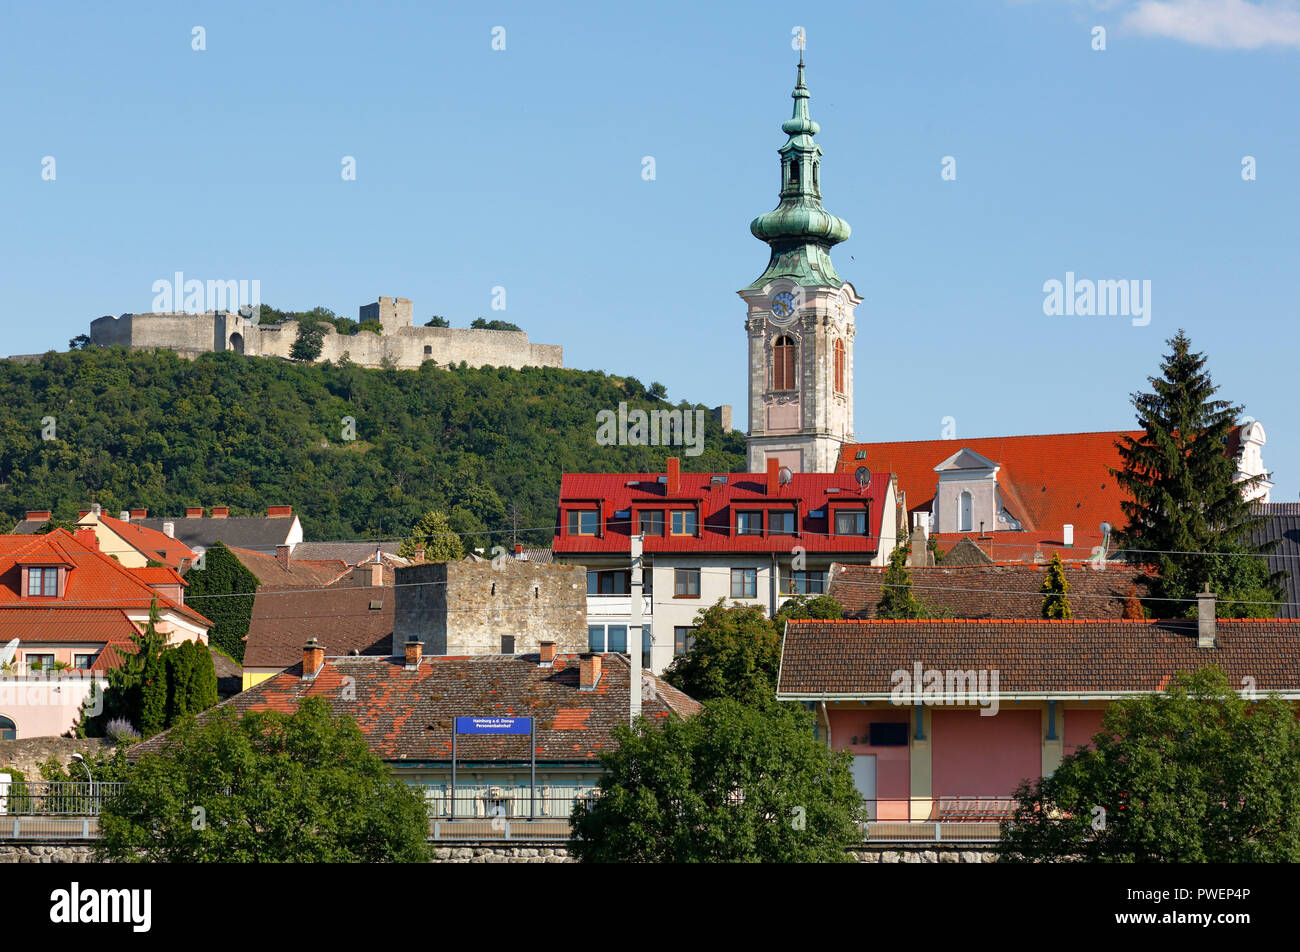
(736, 655)
(734, 783)
(1196, 774)
(155, 431)
(264, 787)
(222, 591)
(433, 534)
(896, 598)
(807, 606)
(1187, 517)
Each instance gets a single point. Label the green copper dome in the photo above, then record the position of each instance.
(799, 230)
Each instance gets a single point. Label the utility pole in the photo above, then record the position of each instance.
(634, 634)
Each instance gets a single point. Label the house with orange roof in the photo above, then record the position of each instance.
(67, 616)
(1017, 495)
(132, 544)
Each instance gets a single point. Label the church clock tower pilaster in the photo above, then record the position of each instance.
(800, 322)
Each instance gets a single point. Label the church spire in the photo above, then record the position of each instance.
(799, 230)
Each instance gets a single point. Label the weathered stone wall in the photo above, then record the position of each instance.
(28, 753)
(465, 607)
(497, 853)
(401, 345)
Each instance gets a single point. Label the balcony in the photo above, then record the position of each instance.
(617, 606)
(938, 820)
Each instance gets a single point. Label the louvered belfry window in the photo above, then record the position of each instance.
(783, 364)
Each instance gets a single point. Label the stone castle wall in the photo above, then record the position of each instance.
(400, 344)
(465, 607)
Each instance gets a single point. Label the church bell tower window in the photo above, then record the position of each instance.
(783, 364)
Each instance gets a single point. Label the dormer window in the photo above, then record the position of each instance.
(584, 522)
(852, 522)
(43, 581)
(749, 522)
(684, 522)
(652, 522)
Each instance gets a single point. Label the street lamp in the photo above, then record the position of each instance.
(82, 760)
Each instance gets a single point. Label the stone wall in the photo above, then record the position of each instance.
(466, 607)
(28, 753)
(520, 853)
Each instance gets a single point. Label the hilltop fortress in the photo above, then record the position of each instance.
(401, 344)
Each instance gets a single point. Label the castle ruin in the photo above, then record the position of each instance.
(400, 344)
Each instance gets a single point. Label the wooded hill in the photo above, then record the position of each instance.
(154, 431)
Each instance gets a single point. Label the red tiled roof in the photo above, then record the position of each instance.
(988, 591)
(59, 625)
(408, 715)
(94, 579)
(717, 502)
(1048, 479)
(339, 617)
(301, 573)
(158, 575)
(1012, 546)
(859, 658)
(150, 543)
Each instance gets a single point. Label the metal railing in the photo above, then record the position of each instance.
(503, 813)
(936, 819)
(40, 809)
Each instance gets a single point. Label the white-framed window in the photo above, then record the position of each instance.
(965, 511)
(42, 581)
(744, 583)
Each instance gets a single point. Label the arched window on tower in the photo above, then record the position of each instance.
(8, 730)
(783, 364)
(794, 171)
(817, 176)
(839, 365)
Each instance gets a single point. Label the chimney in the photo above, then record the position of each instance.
(1205, 625)
(773, 476)
(414, 652)
(519, 548)
(589, 672)
(86, 536)
(169, 530)
(920, 552)
(546, 654)
(193, 512)
(674, 476)
(124, 515)
(139, 513)
(41, 515)
(279, 512)
(282, 556)
(96, 508)
(376, 575)
(220, 512)
(419, 554)
(1067, 535)
(313, 658)
(81, 514)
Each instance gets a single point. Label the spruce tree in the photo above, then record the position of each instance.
(1188, 522)
(1055, 587)
(897, 600)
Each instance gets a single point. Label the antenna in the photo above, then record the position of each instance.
(8, 651)
(784, 475)
(863, 476)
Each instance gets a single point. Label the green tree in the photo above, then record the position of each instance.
(658, 390)
(434, 533)
(1195, 774)
(483, 324)
(437, 321)
(896, 598)
(807, 606)
(736, 655)
(223, 592)
(1055, 587)
(272, 787)
(307, 345)
(1187, 518)
(734, 783)
(153, 695)
(80, 342)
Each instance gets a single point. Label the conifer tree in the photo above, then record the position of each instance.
(1187, 520)
(897, 600)
(1055, 587)
(1132, 607)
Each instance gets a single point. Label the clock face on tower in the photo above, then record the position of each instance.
(783, 307)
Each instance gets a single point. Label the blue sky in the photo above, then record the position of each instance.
(522, 168)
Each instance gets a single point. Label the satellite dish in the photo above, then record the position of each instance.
(863, 476)
(784, 476)
(1105, 528)
(8, 651)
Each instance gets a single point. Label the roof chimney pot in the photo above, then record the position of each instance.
(546, 653)
(414, 652)
(1205, 623)
(313, 659)
(589, 672)
(674, 485)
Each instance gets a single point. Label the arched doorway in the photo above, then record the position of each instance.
(8, 729)
(237, 343)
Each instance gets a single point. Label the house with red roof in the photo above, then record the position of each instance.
(67, 615)
(944, 718)
(1018, 495)
(407, 707)
(750, 538)
(133, 544)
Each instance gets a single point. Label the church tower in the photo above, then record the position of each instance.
(800, 317)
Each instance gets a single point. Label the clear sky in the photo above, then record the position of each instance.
(522, 168)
